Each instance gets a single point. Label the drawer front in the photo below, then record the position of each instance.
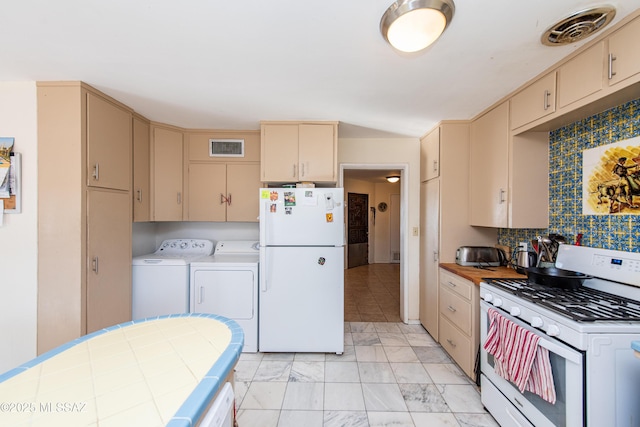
(456, 284)
(456, 309)
(457, 345)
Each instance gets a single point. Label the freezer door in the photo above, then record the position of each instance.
(302, 216)
(302, 300)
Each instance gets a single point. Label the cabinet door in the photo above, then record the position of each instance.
(279, 153)
(582, 76)
(624, 56)
(430, 156)
(141, 171)
(167, 175)
(534, 102)
(243, 184)
(108, 293)
(317, 156)
(108, 144)
(489, 168)
(208, 192)
(430, 207)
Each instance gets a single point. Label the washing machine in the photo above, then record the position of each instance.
(226, 283)
(160, 282)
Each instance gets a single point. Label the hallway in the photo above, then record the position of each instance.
(372, 293)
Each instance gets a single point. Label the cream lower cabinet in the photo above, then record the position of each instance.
(166, 173)
(109, 272)
(429, 248)
(460, 320)
(223, 192)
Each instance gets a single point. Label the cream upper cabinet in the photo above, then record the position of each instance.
(623, 59)
(108, 144)
(430, 155)
(508, 174)
(489, 168)
(223, 192)
(166, 174)
(534, 101)
(141, 170)
(581, 76)
(299, 152)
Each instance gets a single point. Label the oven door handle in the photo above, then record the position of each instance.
(550, 344)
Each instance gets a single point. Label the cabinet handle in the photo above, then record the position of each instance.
(611, 59)
(502, 195)
(294, 171)
(96, 172)
(450, 283)
(139, 191)
(452, 309)
(94, 264)
(222, 199)
(547, 104)
(435, 166)
(451, 343)
(201, 295)
(229, 200)
(435, 255)
(179, 197)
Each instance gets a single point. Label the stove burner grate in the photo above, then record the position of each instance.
(582, 304)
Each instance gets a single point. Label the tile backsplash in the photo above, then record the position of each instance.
(566, 144)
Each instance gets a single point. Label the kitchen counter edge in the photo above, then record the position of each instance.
(476, 275)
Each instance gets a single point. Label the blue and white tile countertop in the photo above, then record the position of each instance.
(635, 345)
(152, 372)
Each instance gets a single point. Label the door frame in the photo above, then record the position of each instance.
(404, 224)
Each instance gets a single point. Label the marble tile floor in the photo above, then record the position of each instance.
(372, 293)
(391, 374)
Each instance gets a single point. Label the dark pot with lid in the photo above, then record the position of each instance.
(556, 277)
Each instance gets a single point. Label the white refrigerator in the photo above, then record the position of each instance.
(301, 301)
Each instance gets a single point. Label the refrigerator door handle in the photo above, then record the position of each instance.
(261, 269)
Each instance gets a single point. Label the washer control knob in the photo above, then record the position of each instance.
(515, 311)
(536, 322)
(488, 297)
(497, 302)
(553, 330)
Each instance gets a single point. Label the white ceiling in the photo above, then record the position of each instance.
(229, 64)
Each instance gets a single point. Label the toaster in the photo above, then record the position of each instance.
(480, 256)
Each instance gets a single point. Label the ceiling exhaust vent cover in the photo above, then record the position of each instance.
(578, 26)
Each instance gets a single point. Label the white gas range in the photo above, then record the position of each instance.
(588, 333)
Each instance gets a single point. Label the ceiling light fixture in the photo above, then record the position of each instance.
(393, 178)
(412, 25)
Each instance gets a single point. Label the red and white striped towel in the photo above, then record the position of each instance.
(519, 358)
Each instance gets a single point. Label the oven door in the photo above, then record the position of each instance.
(567, 365)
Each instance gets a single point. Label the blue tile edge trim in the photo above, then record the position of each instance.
(193, 408)
(635, 345)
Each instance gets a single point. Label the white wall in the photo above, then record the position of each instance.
(19, 234)
(396, 151)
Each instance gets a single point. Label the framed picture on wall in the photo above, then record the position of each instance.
(611, 179)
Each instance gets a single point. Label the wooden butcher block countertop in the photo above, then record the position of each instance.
(477, 274)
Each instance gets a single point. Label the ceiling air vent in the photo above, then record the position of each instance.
(226, 148)
(578, 26)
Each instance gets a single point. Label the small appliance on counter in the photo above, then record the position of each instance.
(480, 256)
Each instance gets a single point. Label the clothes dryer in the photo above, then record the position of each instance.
(226, 283)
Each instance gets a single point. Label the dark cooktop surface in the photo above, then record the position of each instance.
(582, 304)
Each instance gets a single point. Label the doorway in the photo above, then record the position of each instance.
(357, 229)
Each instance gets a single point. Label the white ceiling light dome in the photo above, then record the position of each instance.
(412, 25)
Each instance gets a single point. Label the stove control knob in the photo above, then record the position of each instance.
(553, 331)
(184, 245)
(488, 297)
(536, 322)
(515, 311)
(497, 302)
